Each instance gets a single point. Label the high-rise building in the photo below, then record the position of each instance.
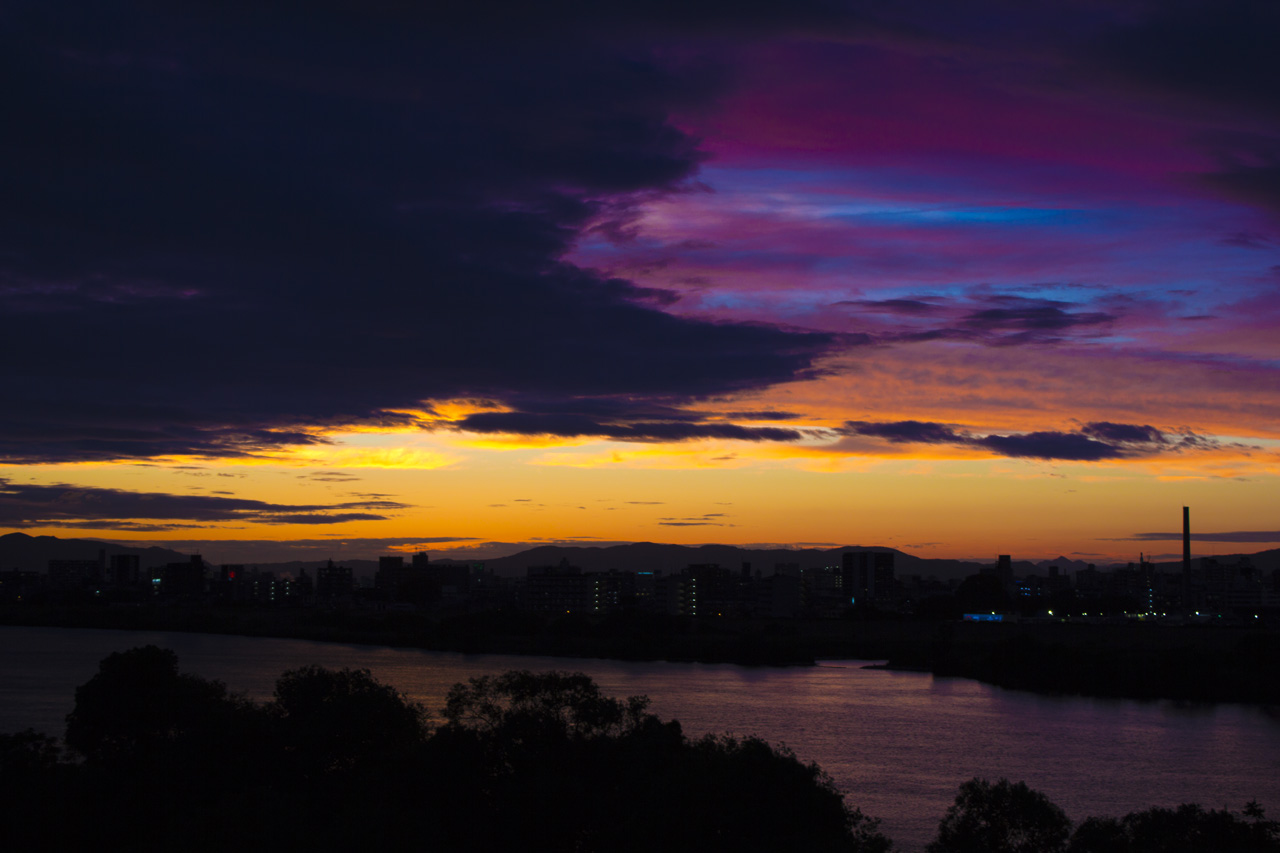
(1004, 570)
(334, 582)
(866, 576)
(124, 569)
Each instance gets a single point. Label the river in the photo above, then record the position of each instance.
(897, 743)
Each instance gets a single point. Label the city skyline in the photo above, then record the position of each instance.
(960, 282)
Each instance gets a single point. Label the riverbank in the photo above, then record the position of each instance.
(1135, 661)
(1197, 663)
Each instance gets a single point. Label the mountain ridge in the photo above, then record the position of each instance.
(32, 553)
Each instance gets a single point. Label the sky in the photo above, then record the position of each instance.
(347, 279)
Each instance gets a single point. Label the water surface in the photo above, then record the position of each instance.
(897, 743)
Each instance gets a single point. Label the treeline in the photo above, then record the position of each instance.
(1007, 817)
(155, 759)
(1193, 663)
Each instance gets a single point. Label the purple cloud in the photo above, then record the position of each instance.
(1050, 445)
(902, 432)
(1092, 442)
(574, 426)
(24, 505)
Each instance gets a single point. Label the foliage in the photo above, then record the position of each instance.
(567, 768)
(138, 705)
(1001, 817)
(26, 753)
(982, 593)
(524, 761)
(520, 704)
(1187, 829)
(333, 719)
(339, 761)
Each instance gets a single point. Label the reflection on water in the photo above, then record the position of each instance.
(898, 743)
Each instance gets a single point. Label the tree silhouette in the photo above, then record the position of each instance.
(524, 762)
(138, 706)
(520, 703)
(568, 768)
(1003, 817)
(1189, 828)
(329, 720)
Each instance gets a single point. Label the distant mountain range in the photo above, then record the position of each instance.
(650, 556)
(33, 553)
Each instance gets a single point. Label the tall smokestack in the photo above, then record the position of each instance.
(1186, 561)
(1186, 540)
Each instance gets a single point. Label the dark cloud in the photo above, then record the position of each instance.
(1092, 442)
(765, 415)
(222, 227)
(1249, 171)
(312, 518)
(1216, 54)
(984, 317)
(694, 524)
(1249, 240)
(1242, 536)
(131, 526)
(337, 548)
(1032, 315)
(1124, 433)
(110, 431)
(1220, 51)
(1071, 446)
(892, 306)
(78, 506)
(935, 335)
(574, 426)
(900, 432)
(606, 408)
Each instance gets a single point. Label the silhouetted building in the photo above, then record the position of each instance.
(867, 575)
(556, 589)
(706, 589)
(823, 592)
(609, 592)
(334, 582)
(390, 577)
(73, 574)
(231, 583)
(780, 596)
(18, 585)
(1004, 570)
(183, 579)
(124, 569)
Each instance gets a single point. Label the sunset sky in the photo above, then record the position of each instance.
(344, 279)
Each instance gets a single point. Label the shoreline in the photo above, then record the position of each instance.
(1141, 662)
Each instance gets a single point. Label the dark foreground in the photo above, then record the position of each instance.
(156, 760)
(1202, 663)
